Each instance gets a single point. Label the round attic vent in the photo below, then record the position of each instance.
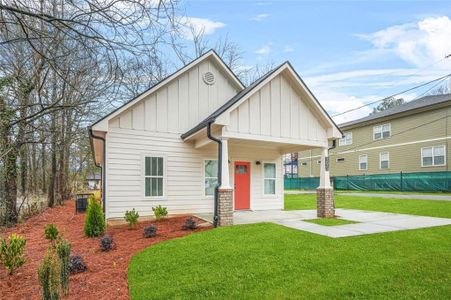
(209, 78)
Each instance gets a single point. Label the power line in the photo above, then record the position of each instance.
(393, 95)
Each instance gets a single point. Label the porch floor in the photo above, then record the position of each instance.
(369, 222)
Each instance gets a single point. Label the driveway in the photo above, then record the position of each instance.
(369, 222)
(400, 196)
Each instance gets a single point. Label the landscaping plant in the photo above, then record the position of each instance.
(51, 232)
(190, 224)
(131, 217)
(95, 221)
(49, 276)
(150, 231)
(106, 243)
(12, 252)
(160, 212)
(76, 264)
(63, 250)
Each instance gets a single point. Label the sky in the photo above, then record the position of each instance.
(348, 52)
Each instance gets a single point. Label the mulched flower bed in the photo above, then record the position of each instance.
(106, 277)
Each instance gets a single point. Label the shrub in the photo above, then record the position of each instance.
(63, 250)
(76, 264)
(190, 224)
(106, 243)
(95, 222)
(150, 231)
(51, 232)
(131, 217)
(49, 276)
(160, 212)
(12, 252)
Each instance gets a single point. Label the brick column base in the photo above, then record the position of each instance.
(225, 207)
(325, 207)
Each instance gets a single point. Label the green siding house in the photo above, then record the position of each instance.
(412, 137)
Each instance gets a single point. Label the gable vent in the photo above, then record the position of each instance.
(209, 78)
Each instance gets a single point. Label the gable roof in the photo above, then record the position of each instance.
(226, 106)
(422, 102)
(211, 53)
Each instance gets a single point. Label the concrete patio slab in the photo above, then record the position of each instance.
(369, 221)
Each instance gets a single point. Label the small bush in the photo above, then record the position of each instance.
(12, 252)
(131, 217)
(190, 224)
(63, 250)
(106, 243)
(51, 232)
(49, 276)
(76, 264)
(95, 221)
(150, 231)
(160, 212)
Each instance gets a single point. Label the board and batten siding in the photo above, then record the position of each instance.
(183, 173)
(181, 104)
(276, 110)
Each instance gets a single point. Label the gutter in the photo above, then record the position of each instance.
(219, 142)
(102, 173)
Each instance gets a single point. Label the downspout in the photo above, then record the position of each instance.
(102, 173)
(215, 216)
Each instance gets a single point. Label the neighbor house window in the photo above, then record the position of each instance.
(341, 159)
(384, 160)
(381, 131)
(433, 156)
(363, 162)
(346, 139)
(269, 178)
(211, 176)
(304, 164)
(154, 176)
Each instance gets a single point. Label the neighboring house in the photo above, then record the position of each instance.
(93, 181)
(161, 148)
(412, 137)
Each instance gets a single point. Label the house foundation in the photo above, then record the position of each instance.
(225, 207)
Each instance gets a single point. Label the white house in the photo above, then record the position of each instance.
(163, 147)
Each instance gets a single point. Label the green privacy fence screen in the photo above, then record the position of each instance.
(420, 182)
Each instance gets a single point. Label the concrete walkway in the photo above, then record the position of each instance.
(369, 221)
(401, 196)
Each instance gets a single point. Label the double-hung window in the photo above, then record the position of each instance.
(433, 156)
(363, 162)
(211, 176)
(381, 131)
(269, 178)
(346, 139)
(154, 176)
(384, 160)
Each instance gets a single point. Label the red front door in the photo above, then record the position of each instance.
(242, 184)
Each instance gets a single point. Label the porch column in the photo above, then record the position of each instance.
(225, 191)
(325, 193)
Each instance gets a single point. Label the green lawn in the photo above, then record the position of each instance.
(431, 208)
(268, 261)
(330, 221)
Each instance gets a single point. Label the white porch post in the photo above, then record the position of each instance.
(325, 207)
(324, 181)
(225, 177)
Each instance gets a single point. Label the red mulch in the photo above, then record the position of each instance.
(106, 277)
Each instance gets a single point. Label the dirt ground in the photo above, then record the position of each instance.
(106, 277)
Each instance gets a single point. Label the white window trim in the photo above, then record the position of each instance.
(203, 177)
(380, 160)
(275, 180)
(143, 175)
(362, 155)
(382, 132)
(344, 139)
(433, 164)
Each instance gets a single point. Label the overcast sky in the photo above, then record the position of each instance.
(348, 52)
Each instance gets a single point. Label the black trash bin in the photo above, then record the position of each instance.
(81, 202)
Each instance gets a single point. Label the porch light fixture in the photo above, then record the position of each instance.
(258, 163)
